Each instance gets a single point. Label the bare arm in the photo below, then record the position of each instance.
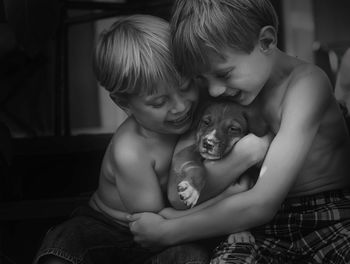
(342, 85)
(242, 184)
(247, 152)
(136, 180)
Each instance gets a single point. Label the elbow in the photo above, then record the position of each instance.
(264, 212)
(146, 205)
(175, 201)
(265, 216)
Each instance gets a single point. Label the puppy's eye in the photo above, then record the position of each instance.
(205, 121)
(234, 129)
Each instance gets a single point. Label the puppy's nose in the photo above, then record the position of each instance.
(208, 144)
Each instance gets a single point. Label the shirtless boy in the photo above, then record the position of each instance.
(300, 206)
(133, 62)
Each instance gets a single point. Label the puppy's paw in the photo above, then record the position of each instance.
(241, 237)
(188, 194)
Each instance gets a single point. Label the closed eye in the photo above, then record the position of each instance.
(224, 74)
(157, 102)
(206, 121)
(186, 86)
(234, 129)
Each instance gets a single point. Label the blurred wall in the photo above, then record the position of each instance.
(298, 28)
(332, 20)
(27, 73)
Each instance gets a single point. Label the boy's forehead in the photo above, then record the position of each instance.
(215, 61)
(221, 60)
(160, 88)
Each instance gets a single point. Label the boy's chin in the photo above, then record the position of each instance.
(247, 100)
(182, 130)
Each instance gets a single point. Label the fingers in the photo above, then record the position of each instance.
(241, 237)
(131, 224)
(133, 217)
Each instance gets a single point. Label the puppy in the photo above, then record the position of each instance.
(219, 127)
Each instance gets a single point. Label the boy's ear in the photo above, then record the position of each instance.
(267, 38)
(122, 103)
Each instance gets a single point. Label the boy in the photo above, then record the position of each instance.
(133, 62)
(300, 206)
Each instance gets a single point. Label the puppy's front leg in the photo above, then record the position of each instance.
(192, 184)
(187, 178)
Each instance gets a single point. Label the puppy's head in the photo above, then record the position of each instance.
(221, 125)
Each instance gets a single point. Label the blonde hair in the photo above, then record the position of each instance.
(133, 55)
(197, 25)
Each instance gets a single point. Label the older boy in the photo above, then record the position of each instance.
(133, 62)
(300, 205)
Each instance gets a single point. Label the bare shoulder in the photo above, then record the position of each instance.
(308, 84)
(127, 147)
(309, 76)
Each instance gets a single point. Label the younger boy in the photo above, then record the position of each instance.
(133, 62)
(300, 206)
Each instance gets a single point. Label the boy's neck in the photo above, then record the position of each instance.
(283, 65)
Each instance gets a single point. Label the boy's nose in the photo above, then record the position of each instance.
(216, 89)
(179, 104)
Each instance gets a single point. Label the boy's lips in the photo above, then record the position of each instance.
(182, 120)
(234, 97)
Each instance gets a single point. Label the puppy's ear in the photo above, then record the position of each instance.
(202, 106)
(256, 124)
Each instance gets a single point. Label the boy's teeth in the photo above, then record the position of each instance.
(181, 118)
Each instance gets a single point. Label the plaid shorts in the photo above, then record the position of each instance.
(308, 229)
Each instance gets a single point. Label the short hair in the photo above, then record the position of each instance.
(132, 55)
(197, 25)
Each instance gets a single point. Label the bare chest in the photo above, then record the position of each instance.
(271, 106)
(162, 156)
(272, 115)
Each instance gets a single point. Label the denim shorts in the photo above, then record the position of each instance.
(92, 237)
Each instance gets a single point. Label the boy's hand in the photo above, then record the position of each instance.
(147, 229)
(241, 237)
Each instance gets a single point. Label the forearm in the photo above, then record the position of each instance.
(233, 214)
(233, 189)
(229, 173)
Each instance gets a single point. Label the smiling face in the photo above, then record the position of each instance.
(221, 126)
(168, 111)
(237, 75)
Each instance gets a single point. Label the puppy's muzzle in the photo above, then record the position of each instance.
(208, 144)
